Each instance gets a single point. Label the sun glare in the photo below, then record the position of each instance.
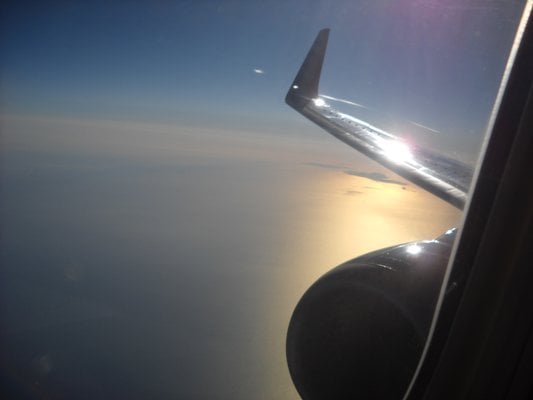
(396, 151)
(319, 102)
(413, 249)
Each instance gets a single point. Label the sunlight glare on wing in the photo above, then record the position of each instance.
(319, 102)
(395, 151)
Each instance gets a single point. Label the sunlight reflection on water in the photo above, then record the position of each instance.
(180, 264)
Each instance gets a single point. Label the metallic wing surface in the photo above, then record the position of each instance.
(445, 177)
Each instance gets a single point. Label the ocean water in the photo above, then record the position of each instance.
(163, 261)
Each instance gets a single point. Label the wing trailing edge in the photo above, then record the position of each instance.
(445, 177)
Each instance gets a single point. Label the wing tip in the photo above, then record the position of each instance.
(305, 84)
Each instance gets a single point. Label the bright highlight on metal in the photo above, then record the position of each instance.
(395, 151)
(413, 249)
(319, 102)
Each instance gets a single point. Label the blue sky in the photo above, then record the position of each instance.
(438, 63)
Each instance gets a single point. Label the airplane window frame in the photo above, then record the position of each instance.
(482, 345)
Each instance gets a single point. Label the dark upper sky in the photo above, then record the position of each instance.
(436, 63)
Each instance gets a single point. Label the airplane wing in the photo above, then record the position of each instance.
(445, 177)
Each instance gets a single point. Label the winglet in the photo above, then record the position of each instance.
(305, 85)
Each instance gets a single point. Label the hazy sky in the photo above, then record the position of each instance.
(163, 210)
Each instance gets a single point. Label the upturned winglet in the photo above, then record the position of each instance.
(305, 85)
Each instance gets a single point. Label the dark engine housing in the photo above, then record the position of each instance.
(359, 331)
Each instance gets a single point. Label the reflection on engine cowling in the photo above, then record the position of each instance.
(358, 332)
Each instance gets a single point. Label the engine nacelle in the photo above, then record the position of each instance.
(359, 331)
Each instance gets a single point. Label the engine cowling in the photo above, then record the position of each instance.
(359, 330)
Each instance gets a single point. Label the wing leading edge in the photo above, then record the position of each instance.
(445, 177)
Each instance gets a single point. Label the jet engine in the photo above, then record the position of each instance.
(358, 332)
